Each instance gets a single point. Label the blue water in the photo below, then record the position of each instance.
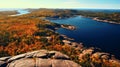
(93, 33)
(22, 11)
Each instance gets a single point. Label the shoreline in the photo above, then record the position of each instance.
(106, 21)
(93, 18)
(78, 42)
(100, 20)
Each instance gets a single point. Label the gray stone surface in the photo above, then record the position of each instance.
(43, 62)
(4, 58)
(38, 62)
(22, 63)
(16, 57)
(59, 55)
(40, 58)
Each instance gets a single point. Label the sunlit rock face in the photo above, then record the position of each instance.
(40, 58)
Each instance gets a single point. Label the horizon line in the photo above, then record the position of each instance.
(61, 8)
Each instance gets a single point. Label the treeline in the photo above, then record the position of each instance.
(53, 13)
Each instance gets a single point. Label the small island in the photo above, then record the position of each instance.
(69, 27)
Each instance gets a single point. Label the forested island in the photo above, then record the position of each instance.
(31, 32)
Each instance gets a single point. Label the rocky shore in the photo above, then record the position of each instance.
(100, 20)
(93, 54)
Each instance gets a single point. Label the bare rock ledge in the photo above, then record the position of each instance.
(40, 58)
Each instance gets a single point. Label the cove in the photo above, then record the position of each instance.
(92, 33)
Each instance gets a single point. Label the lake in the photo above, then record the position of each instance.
(93, 33)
